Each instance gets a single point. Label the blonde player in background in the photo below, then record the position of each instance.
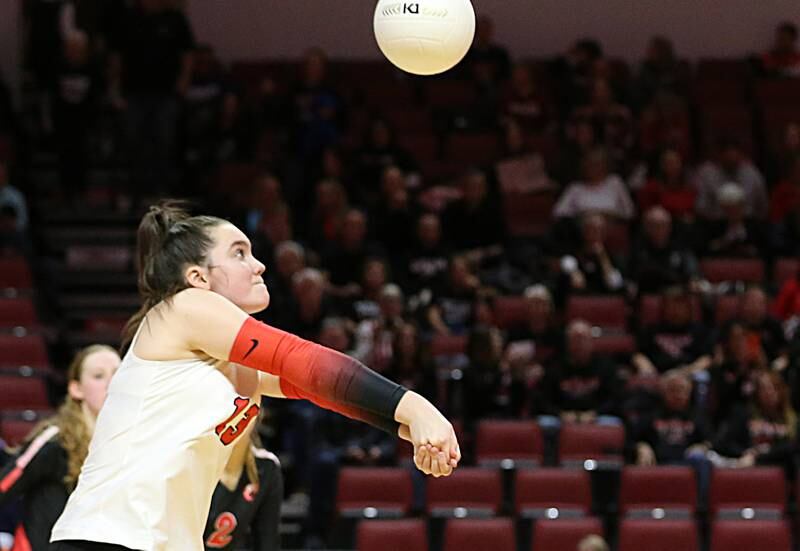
(182, 395)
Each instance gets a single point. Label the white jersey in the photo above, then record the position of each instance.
(160, 445)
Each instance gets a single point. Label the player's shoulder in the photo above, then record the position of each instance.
(194, 304)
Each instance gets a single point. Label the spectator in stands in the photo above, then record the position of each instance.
(591, 268)
(290, 258)
(730, 165)
(366, 304)
(486, 60)
(344, 259)
(375, 336)
(485, 384)
(151, 69)
(524, 103)
(785, 197)
(265, 197)
(764, 431)
(581, 386)
(735, 234)
(675, 432)
(521, 170)
(75, 98)
(735, 365)
(311, 303)
(612, 121)
(411, 364)
(783, 60)
(452, 309)
(677, 341)
(786, 306)
(45, 472)
(670, 188)
(318, 110)
(210, 109)
(592, 542)
(762, 330)
(575, 72)
(380, 150)
(474, 222)
(580, 141)
(538, 339)
(394, 213)
(658, 260)
(12, 199)
(425, 265)
(598, 191)
(660, 72)
(330, 208)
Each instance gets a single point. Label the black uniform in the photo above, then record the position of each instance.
(244, 518)
(37, 475)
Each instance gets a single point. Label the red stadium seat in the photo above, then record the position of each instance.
(758, 488)
(392, 535)
(104, 257)
(580, 442)
(473, 148)
(785, 269)
(658, 535)
(608, 312)
(716, 270)
(648, 488)
(539, 490)
(734, 120)
(424, 147)
(510, 311)
(15, 273)
(356, 491)
(650, 310)
(750, 535)
(508, 443)
(27, 350)
(17, 312)
(736, 70)
(528, 214)
(496, 534)
(563, 534)
(471, 491)
(23, 392)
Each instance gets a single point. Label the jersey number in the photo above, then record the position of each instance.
(223, 526)
(228, 433)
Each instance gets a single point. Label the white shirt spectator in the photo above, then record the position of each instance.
(12, 197)
(710, 178)
(609, 197)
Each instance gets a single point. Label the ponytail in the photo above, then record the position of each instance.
(168, 240)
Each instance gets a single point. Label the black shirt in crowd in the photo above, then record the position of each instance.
(668, 346)
(670, 433)
(570, 387)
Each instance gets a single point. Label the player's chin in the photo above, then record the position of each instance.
(259, 300)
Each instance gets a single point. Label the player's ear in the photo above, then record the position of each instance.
(197, 276)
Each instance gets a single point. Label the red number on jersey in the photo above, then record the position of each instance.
(223, 526)
(228, 433)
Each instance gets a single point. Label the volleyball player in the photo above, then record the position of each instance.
(46, 470)
(246, 505)
(181, 396)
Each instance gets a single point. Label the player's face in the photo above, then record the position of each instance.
(234, 272)
(96, 373)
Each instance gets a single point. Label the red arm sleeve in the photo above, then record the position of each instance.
(308, 370)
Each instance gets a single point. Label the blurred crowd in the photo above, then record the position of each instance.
(386, 243)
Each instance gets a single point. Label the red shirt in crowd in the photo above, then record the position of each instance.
(785, 199)
(679, 201)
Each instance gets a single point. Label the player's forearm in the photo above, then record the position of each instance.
(315, 370)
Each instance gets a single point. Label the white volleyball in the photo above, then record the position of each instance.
(424, 37)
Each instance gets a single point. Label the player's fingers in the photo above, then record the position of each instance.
(435, 470)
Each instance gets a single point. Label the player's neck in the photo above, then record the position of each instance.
(88, 418)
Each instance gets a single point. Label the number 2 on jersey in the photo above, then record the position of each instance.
(228, 433)
(223, 526)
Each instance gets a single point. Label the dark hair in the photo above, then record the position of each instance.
(168, 240)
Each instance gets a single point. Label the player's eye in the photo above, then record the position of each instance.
(240, 252)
